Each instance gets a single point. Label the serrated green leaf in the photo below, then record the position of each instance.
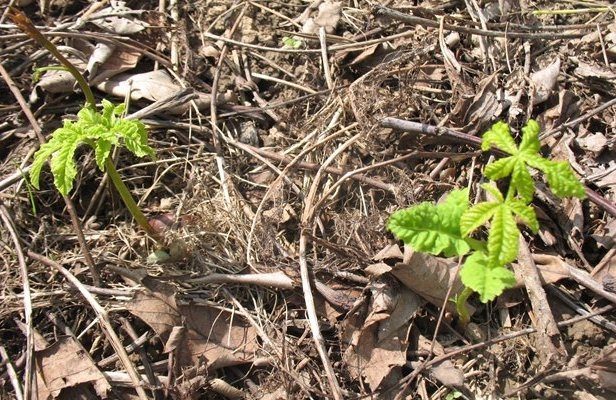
(530, 138)
(500, 137)
(63, 164)
(493, 190)
(107, 113)
(563, 182)
(522, 183)
(88, 117)
(500, 168)
(292, 42)
(488, 282)
(102, 149)
(476, 216)
(433, 228)
(135, 137)
(502, 237)
(40, 157)
(526, 213)
(537, 162)
(101, 131)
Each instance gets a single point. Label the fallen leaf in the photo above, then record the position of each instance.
(447, 374)
(216, 336)
(327, 17)
(544, 81)
(429, 277)
(66, 364)
(117, 19)
(596, 71)
(376, 334)
(153, 86)
(605, 368)
(593, 142)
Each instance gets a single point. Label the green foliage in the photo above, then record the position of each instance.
(292, 42)
(101, 131)
(446, 228)
(434, 229)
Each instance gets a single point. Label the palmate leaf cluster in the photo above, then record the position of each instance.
(446, 228)
(101, 130)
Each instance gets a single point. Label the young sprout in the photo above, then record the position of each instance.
(446, 228)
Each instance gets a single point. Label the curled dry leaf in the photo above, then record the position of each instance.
(118, 19)
(376, 334)
(327, 17)
(153, 86)
(103, 63)
(429, 276)
(544, 81)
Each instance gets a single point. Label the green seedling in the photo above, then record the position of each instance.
(446, 228)
(100, 130)
(292, 42)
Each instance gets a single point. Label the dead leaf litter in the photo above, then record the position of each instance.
(285, 136)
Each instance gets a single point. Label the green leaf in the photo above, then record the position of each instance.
(88, 117)
(109, 112)
(500, 168)
(40, 157)
(487, 281)
(292, 42)
(563, 182)
(434, 228)
(522, 182)
(503, 236)
(63, 164)
(526, 213)
(499, 136)
(559, 174)
(530, 137)
(135, 137)
(102, 149)
(493, 190)
(101, 131)
(476, 216)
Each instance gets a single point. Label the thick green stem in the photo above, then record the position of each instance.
(28, 27)
(465, 318)
(128, 200)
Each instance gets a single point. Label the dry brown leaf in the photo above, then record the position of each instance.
(122, 59)
(376, 335)
(327, 17)
(544, 81)
(429, 277)
(104, 62)
(214, 335)
(447, 374)
(604, 176)
(102, 52)
(597, 71)
(66, 364)
(391, 251)
(152, 86)
(593, 142)
(117, 19)
(605, 368)
(566, 109)
(485, 106)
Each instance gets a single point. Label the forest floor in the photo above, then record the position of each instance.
(282, 146)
